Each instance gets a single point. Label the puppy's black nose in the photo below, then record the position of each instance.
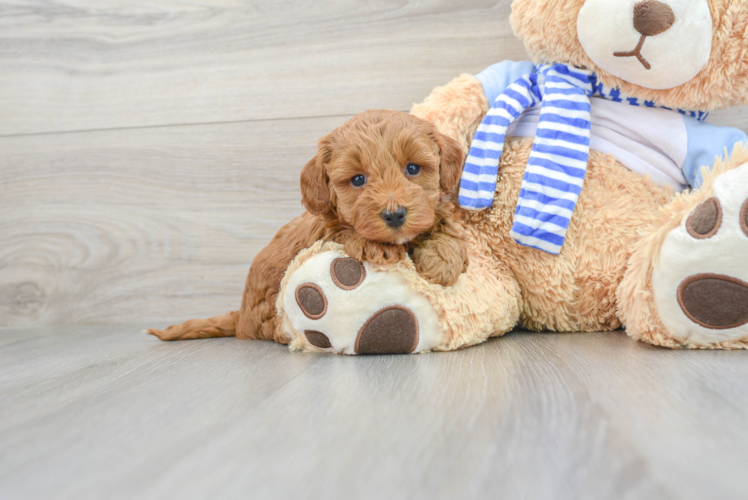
(396, 218)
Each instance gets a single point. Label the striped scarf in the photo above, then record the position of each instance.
(558, 162)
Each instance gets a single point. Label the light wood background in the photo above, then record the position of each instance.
(150, 148)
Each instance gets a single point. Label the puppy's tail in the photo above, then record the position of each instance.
(217, 326)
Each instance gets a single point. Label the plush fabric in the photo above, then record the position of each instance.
(667, 267)
(638, 304)
(557, 164)
(484, 302)
(548, 28)
(666, 45)
(562, 130)
(669, 147)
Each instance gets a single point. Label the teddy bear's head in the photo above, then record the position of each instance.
(688, 54)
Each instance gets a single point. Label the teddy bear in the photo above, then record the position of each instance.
(595, 194)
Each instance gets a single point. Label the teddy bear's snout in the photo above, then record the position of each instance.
(652, 17)
(670, 41)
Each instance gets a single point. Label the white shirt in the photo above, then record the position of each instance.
(650, 141)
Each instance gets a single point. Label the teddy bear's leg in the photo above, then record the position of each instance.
(456, 108)
(331, 302)
(687, 281)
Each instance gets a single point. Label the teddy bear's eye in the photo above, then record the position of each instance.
(358, 180)
(413, 169)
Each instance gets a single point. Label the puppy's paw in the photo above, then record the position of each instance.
(375, 253)
(160, 334)
(441, 260)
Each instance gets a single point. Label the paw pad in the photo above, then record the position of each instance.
(393, 330)
(705, 220)
(345, 306)
(700, 279)
(714, 301)
(318, 339)
(311, 300)
(347, 273)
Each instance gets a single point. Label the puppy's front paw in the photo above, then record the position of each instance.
(372, 252)
(441, 260)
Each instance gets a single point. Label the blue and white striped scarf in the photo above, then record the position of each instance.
(558, 162)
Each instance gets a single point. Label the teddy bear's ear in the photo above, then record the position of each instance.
(315, 184)
(451, 161)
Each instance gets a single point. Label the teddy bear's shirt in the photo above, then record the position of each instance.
(669, 146)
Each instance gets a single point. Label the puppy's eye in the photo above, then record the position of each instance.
(413, 169)
(358, 180)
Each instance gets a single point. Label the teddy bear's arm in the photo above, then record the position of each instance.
(456, 108)
(706, 143)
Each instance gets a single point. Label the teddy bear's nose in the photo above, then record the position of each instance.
(652, 17)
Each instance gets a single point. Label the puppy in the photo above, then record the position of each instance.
(381, 185)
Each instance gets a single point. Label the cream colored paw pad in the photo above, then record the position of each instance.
(341, 305)
(701, 279)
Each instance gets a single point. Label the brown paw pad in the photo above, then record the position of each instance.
(705, 220)
(393, 330)
(311, 300)
(744, 218)
(714, 301)
(347, 273)
(317, 339)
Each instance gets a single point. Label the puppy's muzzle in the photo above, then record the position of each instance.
(395, 219)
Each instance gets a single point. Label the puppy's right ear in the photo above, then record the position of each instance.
(315, 184)
(452, 159)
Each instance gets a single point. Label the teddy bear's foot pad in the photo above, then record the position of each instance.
(393, 330)
(338, 304)
(715, 301)
(701, 280)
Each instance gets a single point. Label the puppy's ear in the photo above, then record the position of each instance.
(315, 184)
(450, 167)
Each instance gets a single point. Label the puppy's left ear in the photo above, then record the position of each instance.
(316, 195)
(450, 167)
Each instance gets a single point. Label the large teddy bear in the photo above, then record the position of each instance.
(597, 196)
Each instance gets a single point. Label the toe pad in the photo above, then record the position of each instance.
(715, 301)
(393, 330)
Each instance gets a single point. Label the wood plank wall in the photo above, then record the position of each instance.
(150, 148)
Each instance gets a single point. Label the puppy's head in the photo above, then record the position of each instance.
(384, 174)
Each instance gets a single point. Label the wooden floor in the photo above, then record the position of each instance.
(115, 414)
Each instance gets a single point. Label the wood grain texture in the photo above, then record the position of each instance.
(157, 216)
(115, 414)
(87, 64)
(118, 226)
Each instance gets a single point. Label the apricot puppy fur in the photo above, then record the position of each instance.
(382, 185)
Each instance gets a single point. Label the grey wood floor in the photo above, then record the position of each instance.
(114, 414)
(149, 149)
